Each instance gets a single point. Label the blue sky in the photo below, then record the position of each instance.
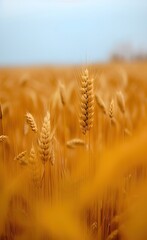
(45, 31)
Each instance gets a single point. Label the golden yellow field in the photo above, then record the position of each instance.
(73, 148)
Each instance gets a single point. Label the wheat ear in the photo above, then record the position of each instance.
(3, 138)
(111, 109)
(111, 114)
(31, 122)
(75, 142)
(101, 103)
(113, 235)
(87, 102)
(62, 93)
(127, 132)
(120, 101)
(21, 158)
(45, 139)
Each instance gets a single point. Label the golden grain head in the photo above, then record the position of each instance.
(121, 101)
(31, 122)
(101, 104)
(62, 93)
(21, 158)
(111, 109)
(113, 235)
(3, 138)
(87, 102)
(75, 142)
(127, 132)
(45, 139)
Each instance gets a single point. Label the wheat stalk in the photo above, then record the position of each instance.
(1, 122)
(52, 152)
(87, 102)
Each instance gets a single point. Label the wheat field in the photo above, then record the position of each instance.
(73, 148)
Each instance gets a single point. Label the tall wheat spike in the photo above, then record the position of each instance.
(87, 102)
(120, 101)
(45, 139)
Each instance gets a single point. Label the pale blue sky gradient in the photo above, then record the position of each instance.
(58, 32)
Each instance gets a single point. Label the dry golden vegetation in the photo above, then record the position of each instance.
(73, 148)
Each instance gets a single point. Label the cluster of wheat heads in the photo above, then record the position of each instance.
(73, 153)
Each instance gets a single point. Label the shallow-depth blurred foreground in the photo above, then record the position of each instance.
(73, 149)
